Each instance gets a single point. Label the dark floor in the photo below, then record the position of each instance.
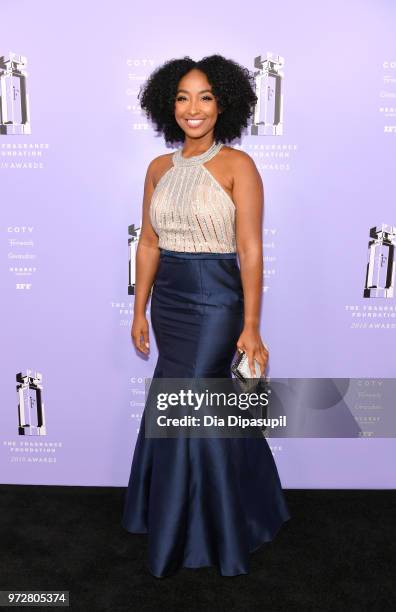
(336, 553)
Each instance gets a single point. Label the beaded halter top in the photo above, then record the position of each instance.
(189, 210)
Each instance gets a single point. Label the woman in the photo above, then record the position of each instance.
(202, 501)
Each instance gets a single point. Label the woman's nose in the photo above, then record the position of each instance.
(193, 106)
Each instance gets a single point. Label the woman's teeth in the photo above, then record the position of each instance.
(194, 122)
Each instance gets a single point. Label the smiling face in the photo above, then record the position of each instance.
(196, 108)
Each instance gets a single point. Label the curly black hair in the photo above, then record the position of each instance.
(232, 85)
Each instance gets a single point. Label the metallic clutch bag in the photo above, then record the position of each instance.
(240, 367)
(248, 383)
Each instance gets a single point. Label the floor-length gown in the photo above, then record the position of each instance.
(202, 501)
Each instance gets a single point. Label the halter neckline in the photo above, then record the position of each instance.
(196, 160)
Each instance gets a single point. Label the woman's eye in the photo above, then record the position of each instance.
(181, 98)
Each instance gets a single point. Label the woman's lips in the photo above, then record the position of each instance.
(194, 123)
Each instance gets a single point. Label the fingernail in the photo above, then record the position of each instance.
(147, 344)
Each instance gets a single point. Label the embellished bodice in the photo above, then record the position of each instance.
(189, 209)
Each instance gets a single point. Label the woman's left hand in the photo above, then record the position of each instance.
(250, 341)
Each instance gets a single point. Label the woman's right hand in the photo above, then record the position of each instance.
(140, 333)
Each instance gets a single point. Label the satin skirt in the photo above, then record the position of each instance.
(202, 501)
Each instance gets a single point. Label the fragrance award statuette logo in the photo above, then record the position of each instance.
(14, 99)
(380, 272)
(268, 112)
(134, 233)
(30, 404)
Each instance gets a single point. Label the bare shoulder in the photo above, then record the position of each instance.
(160, 161)
(240, 160)
(158, 166)
(240, 163)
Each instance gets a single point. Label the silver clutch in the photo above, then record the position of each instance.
(240, 367)
(248, 383)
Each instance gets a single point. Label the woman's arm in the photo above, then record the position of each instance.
(147, 259)
(248, 195)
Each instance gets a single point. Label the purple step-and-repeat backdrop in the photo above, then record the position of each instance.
(74, 149)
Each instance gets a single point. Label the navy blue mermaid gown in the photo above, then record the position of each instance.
(202, 501)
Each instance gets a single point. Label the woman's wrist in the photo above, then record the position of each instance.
(251, 324)
(139, 312)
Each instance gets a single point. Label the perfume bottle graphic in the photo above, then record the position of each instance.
(134, 233)
(268, 112)
(30, 404)
(380, 273)
(14, 99)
